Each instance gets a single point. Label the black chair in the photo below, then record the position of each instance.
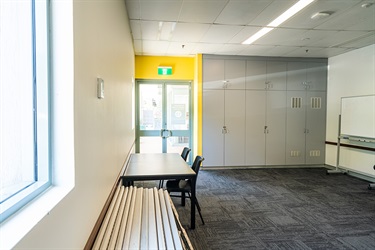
(184, 154)
(184, 186)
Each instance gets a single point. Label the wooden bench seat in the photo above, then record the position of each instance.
(141, 218)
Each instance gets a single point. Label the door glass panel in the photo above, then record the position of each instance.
(150, 144)
(178, 107)
(176, 144)
(150, 106)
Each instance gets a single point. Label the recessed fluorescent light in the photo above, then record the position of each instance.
(257, 35)
(279, 20)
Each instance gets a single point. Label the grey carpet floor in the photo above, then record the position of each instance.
(281, 209)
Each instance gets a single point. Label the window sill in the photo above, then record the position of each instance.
(18, 225)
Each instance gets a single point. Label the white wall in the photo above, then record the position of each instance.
(103, 128)
(349, 74)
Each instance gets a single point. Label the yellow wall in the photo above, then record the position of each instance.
(183, 68)
(146, 67)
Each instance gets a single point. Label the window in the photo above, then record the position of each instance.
(24, 103)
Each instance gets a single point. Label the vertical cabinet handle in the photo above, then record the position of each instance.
(225, 84)
(224, 130)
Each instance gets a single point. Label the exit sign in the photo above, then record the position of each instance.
(165, 71)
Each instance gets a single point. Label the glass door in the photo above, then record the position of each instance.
(163, 117)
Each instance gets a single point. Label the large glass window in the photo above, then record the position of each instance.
(24, 103)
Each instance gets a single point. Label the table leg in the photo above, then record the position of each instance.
(193, 199)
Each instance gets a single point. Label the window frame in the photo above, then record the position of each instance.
(62, 159)
(41, 113)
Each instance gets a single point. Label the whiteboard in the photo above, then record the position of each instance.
(358, 116)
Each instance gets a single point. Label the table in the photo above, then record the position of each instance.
(160, 166)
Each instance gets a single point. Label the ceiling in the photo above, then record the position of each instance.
(189, 27)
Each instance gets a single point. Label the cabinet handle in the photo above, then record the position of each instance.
(225, 84)
(224, 130)
(266, 129)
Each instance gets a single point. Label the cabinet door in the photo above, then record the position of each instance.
(213, 74)
(255, 131)
(276, 125)
(295, 127)
(316, 127)
(256, 72)
(296, 76)
(235, 119)
(276, 75)
(213, 121)
(235, 73)
(316, 76)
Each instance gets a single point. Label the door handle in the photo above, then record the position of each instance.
(162, 133)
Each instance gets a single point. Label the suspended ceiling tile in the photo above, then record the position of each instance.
(339, 37)
(349, 18)
(364, 24)
(136, 29)
(149, 30)
(255, 50)
(138, 47)
(359, 43)
(178, 48)
(206, 48)
(279, 50)
(160, 46)
(201, 11)
(307, 38)
(231, 49)
(160, 10)
(306, 52)
(303, 18)
(241, 12)
(189, 32)
(220, 33)
(133, 8)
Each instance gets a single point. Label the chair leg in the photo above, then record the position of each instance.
(198, 208)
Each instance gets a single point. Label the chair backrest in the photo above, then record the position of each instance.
(185, 153)
(197, 164)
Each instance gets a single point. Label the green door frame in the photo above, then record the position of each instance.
(160, 133)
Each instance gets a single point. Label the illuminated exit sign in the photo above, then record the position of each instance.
(165, 71)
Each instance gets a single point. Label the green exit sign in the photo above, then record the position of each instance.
(165, 71)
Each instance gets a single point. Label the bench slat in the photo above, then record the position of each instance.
(140, 218)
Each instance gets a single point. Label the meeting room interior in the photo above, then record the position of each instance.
(187, 124)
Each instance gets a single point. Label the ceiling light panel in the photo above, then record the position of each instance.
(271, 12)
(279, 20)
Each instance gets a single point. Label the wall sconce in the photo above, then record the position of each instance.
(100, 88)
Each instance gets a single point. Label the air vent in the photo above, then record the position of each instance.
(296, 102)
(316, 102)
(314, 153)
(294, 153)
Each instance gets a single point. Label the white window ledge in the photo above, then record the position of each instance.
(18, 225)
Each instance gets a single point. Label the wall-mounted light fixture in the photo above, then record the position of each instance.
(100, 88)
